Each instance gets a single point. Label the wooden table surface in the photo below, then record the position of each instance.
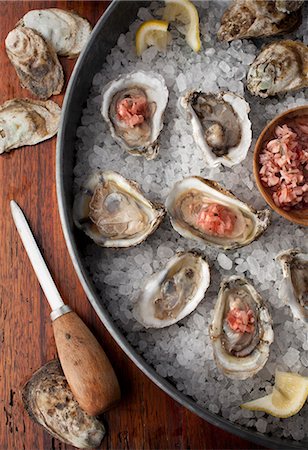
(146, 418)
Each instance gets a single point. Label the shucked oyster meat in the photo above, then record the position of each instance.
(171, 294)
(36, 63)
(113, 211)
(27, 122)
(281, 66)
(133, 107)
(65, 31)
(203, 210)
(50, 402)
(294, 286)
(241, 331)
(220, 125)
(254, 18)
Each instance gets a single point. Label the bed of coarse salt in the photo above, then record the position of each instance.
(183, 353)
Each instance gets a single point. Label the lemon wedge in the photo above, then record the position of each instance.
(152, 32)
(185, 12)
(288, 397)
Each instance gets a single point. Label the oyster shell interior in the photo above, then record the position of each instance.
(65, 31)
(113, 211)
(220, 124)
(27, 122)
(50, 402)
(203, 210)
(36, 63)
(280, 67)
(294, 286)
(241, 331)
(133, 107)
(174, 292)
(255, 18)
(134, 135)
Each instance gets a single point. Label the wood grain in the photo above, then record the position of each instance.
(85, 365)
(146, 417)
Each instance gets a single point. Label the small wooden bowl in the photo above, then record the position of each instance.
(297, 216)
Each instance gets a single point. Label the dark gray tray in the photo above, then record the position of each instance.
(115, 21)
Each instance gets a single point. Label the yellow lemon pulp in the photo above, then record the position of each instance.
(152, 32)
(288, 397)
(185, 12)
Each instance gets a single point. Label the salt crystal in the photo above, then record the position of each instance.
(164, 251)
(291, 357)
(181, 82)
(144, 14)
(224, 66)
(224, 261)
(261, 425)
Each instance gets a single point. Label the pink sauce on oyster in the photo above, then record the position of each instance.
(284, 164)
(216, 220)
(241, 320)
(132, 110)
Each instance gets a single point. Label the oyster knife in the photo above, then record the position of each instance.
(84, 363)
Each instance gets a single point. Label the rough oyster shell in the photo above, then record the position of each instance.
(294, 286)
(65, 31)
(289, 6)
(50, 402)
(139, 139)
(220, 124)
(282, 66)
(35, 62)
(27, 122)
(240, 354)
(254, 18)
(174, 292)
(194, 195)
(113, 211)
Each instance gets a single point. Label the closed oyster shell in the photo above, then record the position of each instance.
(288, 6)
(27, 122)
(140, 139)
(240, 353)
(254, 18)
(281, 66)
(220, 125)
(65, 31)
(35, 62)
(174, 292)
(113, 211)
(192, 205)
(50, 403)
(294, 286)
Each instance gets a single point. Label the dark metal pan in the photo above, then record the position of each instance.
(115, 21)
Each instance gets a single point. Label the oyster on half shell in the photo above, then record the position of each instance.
(24, 121)
(113, 212)
(203, 210)
(133, 107)
(294, 286)
(50, 403)
(241, 331)
(281, 66)
(36, 62)
(254, 18)
(220, 124)
(171, 294)
(65, 31)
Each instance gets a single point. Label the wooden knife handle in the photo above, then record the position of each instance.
(85, 365)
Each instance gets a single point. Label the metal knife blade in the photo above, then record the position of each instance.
(40, 268)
